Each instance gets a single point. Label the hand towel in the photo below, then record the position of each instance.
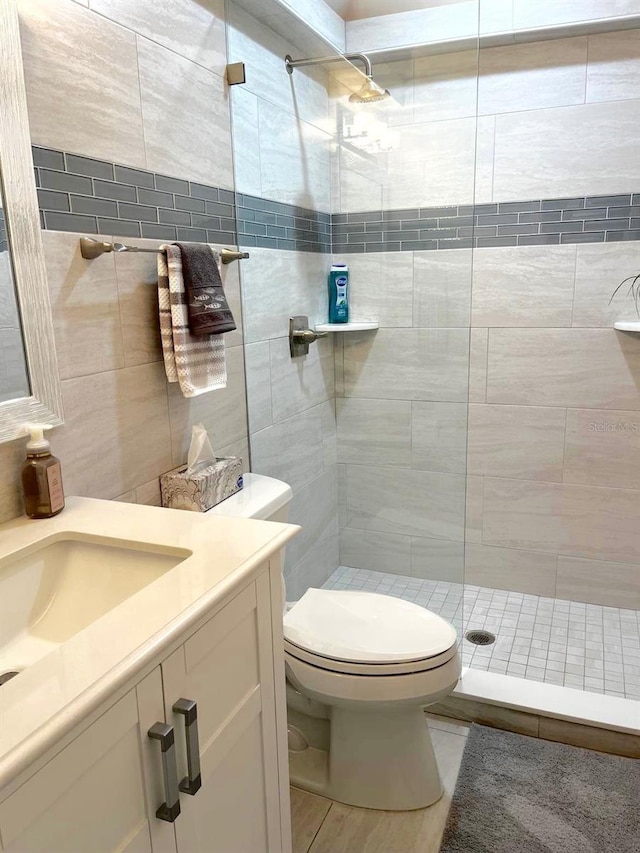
(207, 307)
(197, 364)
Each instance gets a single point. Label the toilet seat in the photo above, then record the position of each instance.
(366, 633)
(367, 669)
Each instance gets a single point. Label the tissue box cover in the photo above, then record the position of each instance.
(206, 488)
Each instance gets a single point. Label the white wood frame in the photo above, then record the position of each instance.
(25, 240)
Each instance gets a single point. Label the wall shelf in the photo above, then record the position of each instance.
(346, 327)
(627, 326)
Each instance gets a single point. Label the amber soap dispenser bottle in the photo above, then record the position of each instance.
(41, 476)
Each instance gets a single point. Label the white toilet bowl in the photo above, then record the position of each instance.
(361, 668)
(374, 662)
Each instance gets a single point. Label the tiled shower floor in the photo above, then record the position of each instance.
(584, 646)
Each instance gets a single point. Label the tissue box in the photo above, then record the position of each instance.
(200, 491)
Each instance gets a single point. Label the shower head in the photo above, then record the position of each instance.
(369, 93)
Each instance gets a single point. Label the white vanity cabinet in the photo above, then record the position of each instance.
(101, 792)
(236, 809)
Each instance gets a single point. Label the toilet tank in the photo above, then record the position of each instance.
(261, 497)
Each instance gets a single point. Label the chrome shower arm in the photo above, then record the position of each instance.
(300, 63)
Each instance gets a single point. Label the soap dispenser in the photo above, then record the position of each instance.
(41, 476)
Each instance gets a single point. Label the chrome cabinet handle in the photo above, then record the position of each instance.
(170, 809)
(189, 710)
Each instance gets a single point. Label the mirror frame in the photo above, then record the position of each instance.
(25, 241)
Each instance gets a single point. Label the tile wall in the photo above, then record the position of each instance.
(402, 391)
(554, 420)
(548, 458)
(145, 90)
(281, 126)
(380, 27)
(554, 391)
(309, 24)
(125, 167)
(291, 404)
(556, 120)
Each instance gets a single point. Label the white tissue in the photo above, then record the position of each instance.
(200, 451)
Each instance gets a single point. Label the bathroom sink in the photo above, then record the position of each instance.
(53, 589)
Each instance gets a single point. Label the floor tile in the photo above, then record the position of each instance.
(307, 814)
(347, 829)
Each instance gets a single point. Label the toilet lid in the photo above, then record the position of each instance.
(366, 627)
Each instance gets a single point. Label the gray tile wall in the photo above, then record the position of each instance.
(164, 109)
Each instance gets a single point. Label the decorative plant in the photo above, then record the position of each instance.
(634, 290)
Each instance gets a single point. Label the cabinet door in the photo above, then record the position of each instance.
(227, 669)
(90, 798)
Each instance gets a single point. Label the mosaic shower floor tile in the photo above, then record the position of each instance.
(570, 643)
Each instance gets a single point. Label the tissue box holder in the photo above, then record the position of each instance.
(204, 489)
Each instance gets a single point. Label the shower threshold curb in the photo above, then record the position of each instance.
(549, 711)
(550, 700)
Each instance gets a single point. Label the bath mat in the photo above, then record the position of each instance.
(518, 794)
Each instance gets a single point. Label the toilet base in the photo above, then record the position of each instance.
(377, 760)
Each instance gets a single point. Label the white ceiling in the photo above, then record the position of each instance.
(352, 10)
(340, 6)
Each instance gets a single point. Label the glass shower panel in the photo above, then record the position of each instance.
(283, 143)
(402, 197)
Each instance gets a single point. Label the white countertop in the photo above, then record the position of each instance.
(49, 698)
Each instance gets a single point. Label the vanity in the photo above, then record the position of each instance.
(149, 712)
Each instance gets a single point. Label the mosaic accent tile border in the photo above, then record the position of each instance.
(278, 225)
(542, 222)
(90, 196)
(96, 197)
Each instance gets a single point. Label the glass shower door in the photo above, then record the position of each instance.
(404, 174)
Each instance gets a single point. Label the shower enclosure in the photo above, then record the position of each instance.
(479, 452)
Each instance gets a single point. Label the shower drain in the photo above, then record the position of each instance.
(7, 676)
(480, 638)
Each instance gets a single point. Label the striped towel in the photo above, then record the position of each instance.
(197, 364)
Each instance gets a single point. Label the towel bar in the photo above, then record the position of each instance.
(90, 249)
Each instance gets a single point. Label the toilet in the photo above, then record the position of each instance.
(361, 668)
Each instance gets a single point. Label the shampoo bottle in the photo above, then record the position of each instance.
(339, 294)
(41, 476)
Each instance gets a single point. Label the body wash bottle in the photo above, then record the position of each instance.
(41, 476)
(339, 294)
